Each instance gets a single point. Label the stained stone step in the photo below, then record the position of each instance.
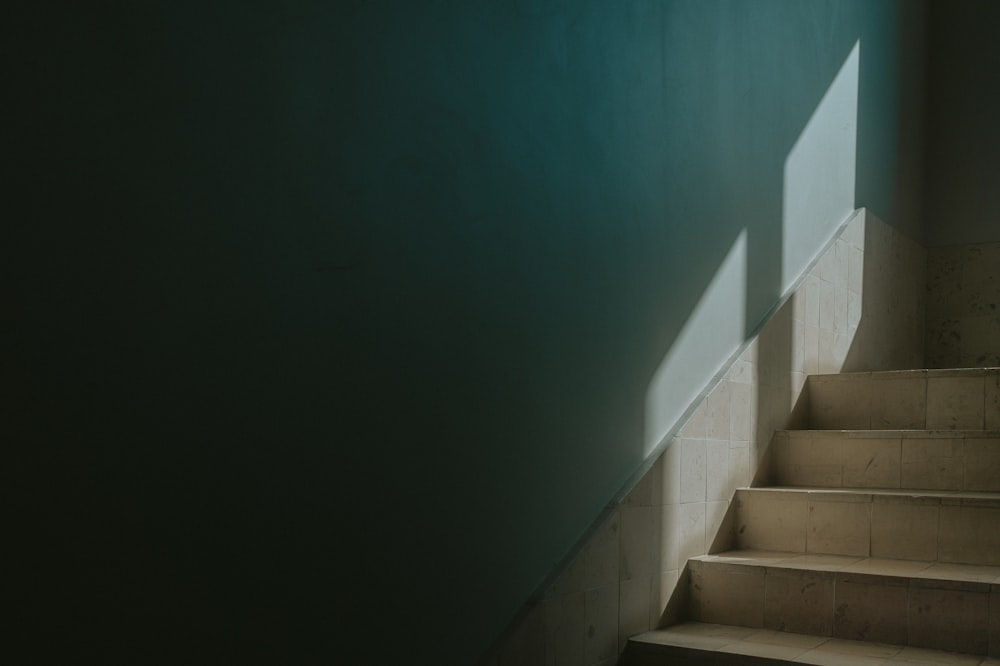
(957, 399)
(958, 527)
(700, 643)
(921, 604)
(911, 459)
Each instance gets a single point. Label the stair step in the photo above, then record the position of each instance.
(705, 643)
(962, 398)
(912, 459)
(922, 604)
(958, 527)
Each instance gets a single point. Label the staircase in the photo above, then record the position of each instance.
(875, 541)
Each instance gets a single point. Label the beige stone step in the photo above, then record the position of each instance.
(911, 459)
(921, 604)
(934, 525)
(704, 643)
(963, 398)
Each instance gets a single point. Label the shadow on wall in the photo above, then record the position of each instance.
(879, 287)
(339, 301)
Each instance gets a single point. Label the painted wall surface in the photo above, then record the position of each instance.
(963, 306)
(331, 317)
(962, 203)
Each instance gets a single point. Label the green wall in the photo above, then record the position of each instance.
(326, 318)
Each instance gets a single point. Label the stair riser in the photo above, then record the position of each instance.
(901, 611)
(932, 399)
(865, 525)
(919, 461)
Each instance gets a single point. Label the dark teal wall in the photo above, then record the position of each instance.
(963, 140)
(326, 317)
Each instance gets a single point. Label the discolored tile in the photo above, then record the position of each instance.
(982, 463)
(955, 402)
(771, 521)
(904, 529)
(899, 402)
(799, 601)
(871, 608)
(840, 401)
(949, 617)
(839, 528)
(727, 594)
(933, 463)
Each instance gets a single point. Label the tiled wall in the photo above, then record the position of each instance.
(859, 307)
(963, 306)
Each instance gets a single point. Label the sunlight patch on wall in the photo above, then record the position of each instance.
(713, 331)
(820, 173)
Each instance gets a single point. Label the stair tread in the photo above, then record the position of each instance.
(920, 372)
(912, 569)
(798, 648)
(876, 433)
(977, 497)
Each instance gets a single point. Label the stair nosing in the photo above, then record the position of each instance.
(660, 638)
(876, 433)
(972, 496)
(944, 574)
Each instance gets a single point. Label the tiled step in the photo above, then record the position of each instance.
(942, 526)
(920, 604)
(964, 398)
(913, 459)
(706, 644)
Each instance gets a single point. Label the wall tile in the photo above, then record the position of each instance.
(637, 533)
(982, 463)
(994, 622)
(727, 594)
(601, 554)
(871, 608)
(933, 463)
(839, 527)
(691, 532)
(771, 521)
(717, 412)
(663, 587)
(955, 402)
(969, 535)
(840, 403)
(992, 401)
(811, 288)
(715, 515)
(601, 617)
(633, 608)
(905, 529)
(899, 402)
(668, 554)
(799, 601)
(827, 306)
(566, 629)
(719, 480)
(694, 470)
(954, 619)
(741, 412)
(810, 349)
(871, 462)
